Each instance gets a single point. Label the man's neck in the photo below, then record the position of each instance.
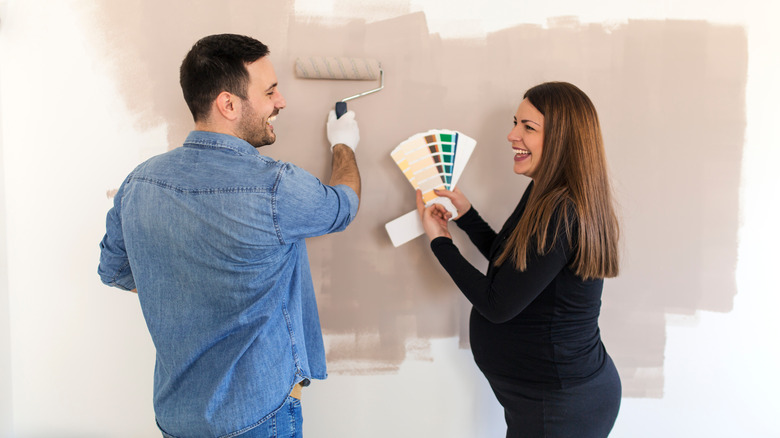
(214, 127)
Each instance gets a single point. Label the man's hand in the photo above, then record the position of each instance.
(344, 136)
(343, 130)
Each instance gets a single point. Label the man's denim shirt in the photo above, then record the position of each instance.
(212, 236)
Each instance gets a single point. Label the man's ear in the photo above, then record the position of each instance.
(228, 105)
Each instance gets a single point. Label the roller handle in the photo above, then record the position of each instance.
(341, 109)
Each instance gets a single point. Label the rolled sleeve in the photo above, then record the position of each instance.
(351, 198)
(305, 207)
(114, 267)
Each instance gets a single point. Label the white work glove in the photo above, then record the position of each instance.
(344, 130)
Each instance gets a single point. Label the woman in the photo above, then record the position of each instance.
(534, 322)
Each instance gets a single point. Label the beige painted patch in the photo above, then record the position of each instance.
(670, 95)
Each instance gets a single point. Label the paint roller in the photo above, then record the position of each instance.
(350, 69)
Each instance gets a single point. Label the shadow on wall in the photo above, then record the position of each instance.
(673, 118)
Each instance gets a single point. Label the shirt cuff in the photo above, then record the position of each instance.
(440, 241)
(350, 194)
(467, 217)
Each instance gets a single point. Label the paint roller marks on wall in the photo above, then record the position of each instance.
(429, 160)
(341, 68)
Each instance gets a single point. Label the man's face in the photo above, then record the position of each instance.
(262, 104)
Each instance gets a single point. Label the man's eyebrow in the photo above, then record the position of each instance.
(272, 86)
(530, 121)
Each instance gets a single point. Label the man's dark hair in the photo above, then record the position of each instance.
(215, 64)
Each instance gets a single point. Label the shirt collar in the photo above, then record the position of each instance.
(201, 139)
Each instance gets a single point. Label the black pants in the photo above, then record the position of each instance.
(585, 411)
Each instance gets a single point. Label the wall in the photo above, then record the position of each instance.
(5, 337)
(685, 96)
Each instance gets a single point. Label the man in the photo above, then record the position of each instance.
(212, 237)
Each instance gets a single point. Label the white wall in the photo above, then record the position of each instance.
(5, 336)
(81, 360)
(78, 356)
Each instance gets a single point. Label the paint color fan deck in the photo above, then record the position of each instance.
(433, 160)
(429, 160)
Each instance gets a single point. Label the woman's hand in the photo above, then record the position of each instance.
(434, 218)
(458, 199)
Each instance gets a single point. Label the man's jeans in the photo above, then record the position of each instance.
(287, 422)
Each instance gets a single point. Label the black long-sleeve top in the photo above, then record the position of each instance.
(537, 327)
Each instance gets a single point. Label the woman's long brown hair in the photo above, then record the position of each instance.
(571, 179)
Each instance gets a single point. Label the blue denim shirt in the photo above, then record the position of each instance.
(212, 236)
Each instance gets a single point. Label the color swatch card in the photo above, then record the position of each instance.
(429, 160)
(433, 160)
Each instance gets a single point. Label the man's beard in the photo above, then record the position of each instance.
(253, 129)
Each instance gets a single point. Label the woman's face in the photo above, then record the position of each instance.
(527, 138)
